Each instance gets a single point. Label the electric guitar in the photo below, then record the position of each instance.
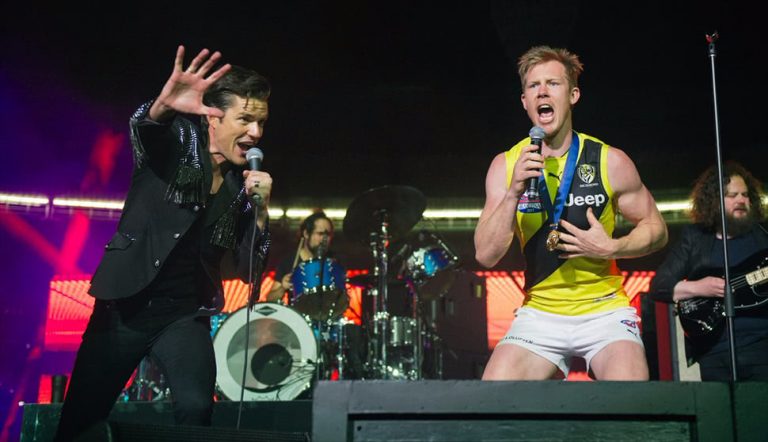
(701, 316)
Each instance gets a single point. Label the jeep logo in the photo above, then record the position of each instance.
(589, 200)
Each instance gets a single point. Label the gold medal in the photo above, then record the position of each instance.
(552, 239)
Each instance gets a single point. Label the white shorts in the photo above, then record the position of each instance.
(558, 338)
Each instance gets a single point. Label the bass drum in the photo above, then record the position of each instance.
(281, 357)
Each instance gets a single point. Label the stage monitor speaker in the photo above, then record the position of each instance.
(534, 410)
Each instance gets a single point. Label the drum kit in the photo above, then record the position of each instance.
(397, 343)
(289, 348)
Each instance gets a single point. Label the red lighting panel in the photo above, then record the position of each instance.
(69, 305)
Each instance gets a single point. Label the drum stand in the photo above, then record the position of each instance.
(383, 328)
(380, 317)
(427, 345)
(418, 338)
(433, 341)
(376, 217)
(148, 383)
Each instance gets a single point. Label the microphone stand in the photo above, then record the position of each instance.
(729, 309)
(252, 299)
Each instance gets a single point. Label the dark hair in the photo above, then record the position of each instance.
(238, 81)
(308, 225)
(705, 194)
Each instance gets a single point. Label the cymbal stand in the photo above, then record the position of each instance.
(418, 339)
(436, 343)
(427, 343)
(379, 241)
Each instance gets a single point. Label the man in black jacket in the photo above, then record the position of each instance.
(191, 201)
(692, 276)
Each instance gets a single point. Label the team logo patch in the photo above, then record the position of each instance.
(586, 173)
(628, 323)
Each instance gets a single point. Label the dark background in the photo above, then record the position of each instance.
(375, 93)
(366, 94)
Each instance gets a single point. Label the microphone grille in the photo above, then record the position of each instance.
(254, 152)
(537, 133)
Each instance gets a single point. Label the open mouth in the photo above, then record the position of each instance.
(245, 146)
(546, 112)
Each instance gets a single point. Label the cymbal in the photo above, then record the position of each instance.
(402, 206)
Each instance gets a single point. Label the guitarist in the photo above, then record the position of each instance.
(693, 270)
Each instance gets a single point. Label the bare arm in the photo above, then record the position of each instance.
(183, 92)
(635, 203)
(496, 227)
(277, 292)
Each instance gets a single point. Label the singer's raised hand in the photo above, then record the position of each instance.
(183, 92)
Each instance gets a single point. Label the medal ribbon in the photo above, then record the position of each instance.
(554, 213)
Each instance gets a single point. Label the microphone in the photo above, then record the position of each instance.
(401, 253)
(254, 156)
(537, 135)
(322, 248)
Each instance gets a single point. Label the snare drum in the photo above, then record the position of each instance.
(282, 353)
(395, 346)
(402, 331)
(396, 331)
(319, 289)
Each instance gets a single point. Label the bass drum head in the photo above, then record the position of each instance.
(282, 354)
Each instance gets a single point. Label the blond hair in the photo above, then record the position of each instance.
(542, 54)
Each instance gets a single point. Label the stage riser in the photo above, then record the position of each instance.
(127, 418)
(537, 411)
(395, 411)
(547, 428)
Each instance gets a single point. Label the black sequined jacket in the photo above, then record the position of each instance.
(171, 178)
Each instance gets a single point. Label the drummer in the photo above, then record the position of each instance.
(316, 234)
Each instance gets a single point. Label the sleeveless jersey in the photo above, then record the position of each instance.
(575, 286)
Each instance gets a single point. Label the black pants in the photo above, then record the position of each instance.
(118, 336)
(751, 360)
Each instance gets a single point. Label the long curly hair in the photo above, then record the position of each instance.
(705, 194)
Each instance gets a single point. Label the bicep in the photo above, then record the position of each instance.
(633, 200)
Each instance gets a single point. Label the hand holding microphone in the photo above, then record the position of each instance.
(530, 200)
(537, 135)
(258, 184)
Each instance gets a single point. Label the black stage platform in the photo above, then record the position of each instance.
(454, 411)
(153, 421)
